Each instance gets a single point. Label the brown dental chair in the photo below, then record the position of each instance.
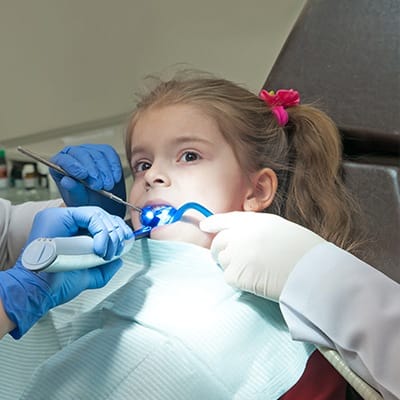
(345, 56)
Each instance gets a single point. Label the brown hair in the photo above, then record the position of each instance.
(305, 154)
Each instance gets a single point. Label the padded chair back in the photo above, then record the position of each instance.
(376, 186)
(345, 56)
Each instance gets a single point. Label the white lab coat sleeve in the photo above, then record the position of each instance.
(15, 225)
(335, 300)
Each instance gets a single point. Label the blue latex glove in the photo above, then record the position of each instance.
(27, 295)
(100, 167)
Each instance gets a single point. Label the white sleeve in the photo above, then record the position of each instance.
(15, 225)
(333, 299)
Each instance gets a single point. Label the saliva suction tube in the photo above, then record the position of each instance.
(152, 217)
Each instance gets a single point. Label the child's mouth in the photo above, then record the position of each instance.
(157, 215)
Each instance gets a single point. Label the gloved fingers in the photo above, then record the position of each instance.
(230, 276)
(122, 233)
(106, 162)
(238, 277)
(96, 166)
(113, 244)
(99, 276)
(235, 275)
(64, 286)
(54, 174)
(215, 223)
(73, 190)
(224, 259)
(100, 168)
(109, 232)
(70, 164)
(112, 158)
(126, 230)
(53, 222)
(218, 222)
(219, 244)
(69, 184)
(240, 274)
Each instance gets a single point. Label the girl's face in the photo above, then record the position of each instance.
(178, 155)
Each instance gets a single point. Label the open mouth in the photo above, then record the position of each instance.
(157, 215)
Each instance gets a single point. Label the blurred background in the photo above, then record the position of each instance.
(70, 68)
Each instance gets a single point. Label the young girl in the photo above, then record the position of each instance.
(212, 141)
(167, 326)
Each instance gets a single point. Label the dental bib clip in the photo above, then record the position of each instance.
(76, 252)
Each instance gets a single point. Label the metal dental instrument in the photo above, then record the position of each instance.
(104, 193)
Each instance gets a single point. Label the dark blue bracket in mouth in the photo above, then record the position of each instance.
(152, 217)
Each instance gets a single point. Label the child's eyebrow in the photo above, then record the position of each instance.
(190, 139)
(175, 142)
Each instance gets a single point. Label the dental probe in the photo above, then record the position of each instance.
(56, 167)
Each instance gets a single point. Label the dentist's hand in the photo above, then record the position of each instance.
(257, 250)
(27, 295)
(100, 167)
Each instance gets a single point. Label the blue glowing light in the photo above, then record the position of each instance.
(153, 216)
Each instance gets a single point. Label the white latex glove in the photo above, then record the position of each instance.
(257, 250)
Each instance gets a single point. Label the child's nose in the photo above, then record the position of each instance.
(155, 176)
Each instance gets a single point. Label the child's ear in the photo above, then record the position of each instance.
(263, 190)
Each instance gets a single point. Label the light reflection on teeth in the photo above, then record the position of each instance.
(157, 207)
(165, 214)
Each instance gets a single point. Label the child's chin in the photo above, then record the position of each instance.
(182, 232)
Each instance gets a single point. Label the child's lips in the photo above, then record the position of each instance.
(156, 204)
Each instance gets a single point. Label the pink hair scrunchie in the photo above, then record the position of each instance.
(279, 101)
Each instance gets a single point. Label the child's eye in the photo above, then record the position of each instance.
(141, 166)
(189, 156)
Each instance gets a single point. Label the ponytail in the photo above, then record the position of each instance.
(316, 197)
